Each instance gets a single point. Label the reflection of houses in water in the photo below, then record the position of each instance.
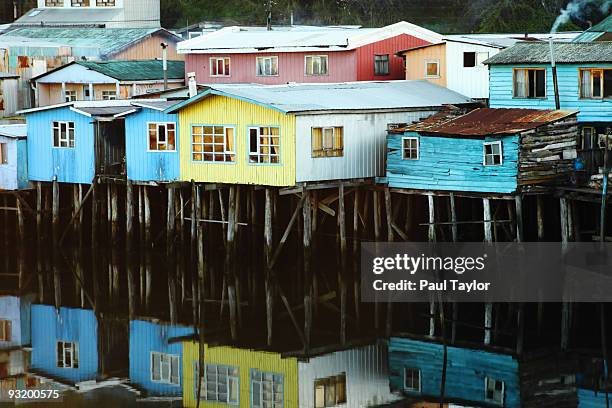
(156, 353)
(353, 378)
(479, 376)
(14, 322)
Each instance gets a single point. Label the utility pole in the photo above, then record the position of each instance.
(165, 63)
(269, 17)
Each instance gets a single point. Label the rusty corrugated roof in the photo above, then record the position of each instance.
(486, 121)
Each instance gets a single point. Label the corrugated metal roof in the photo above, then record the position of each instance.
(486, 122)
(588, 36)
(298, 38)
(69, 16)
(106, 40)
(156, 105)
(539, 53)
(136, 70)
(106, 110)
(374, 95)
(14, 131)
(604, 26)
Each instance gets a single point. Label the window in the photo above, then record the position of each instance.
(410, 148)
(412, 379)
(327, 141)
(3, 153)
(492, 154)
(220, 383)
(70, 95)
(63, 134)
(219, 66)
(267, 66)
(381, 64)
(80, 3)
(316, 65)
(330, 391)
(67, 354)
(264, 145)
(473, 59)
(595, 83)
(5, 330)
(589, 135)
(530, 83)
(213, 143)
(494, 391)
(54, 3)
(432, 69)
(105, 3)
(162, 136)
(266, 389)
(109, 95)
(86, 95)
(165, 368)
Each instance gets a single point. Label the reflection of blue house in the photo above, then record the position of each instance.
(156, 356)
(591, 399)
(64, 343)
(14, 322)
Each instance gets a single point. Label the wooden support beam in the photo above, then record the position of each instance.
(431, 237)
(453, 212)
(389, 214)
(307, 237)
(269, 285)
(77, 213)
(488, 238)
(356, 257)
(377, 237)
(565, 306)
(229, 265)
(343, 260)
(283, 239)
(129, 236)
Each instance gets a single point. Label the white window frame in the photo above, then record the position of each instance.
(212, 61)
(484, 153)
(270, 145)
(432, 61)
(5, 335)
(503, 391)
(418, 148)
(229, 379)
(109, 95)
(69, 126)
(327, 151)
(225, 153)
(388, 64)
(167, 360)
(3, 157)
(70, 95)
(410, 389)
(320, 57)
(273, 382)
(479, 58)
(262, 59)
(68, 347)
(157, 126)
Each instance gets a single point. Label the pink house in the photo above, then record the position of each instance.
(302, 53)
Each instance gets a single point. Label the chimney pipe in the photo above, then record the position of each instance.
(165, 63)
(193, 87)
(554, 73)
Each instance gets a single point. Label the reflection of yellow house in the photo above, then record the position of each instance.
(244, 378)
(427, 62)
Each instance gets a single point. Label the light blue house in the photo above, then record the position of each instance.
(76, 141)
(521, 77)
(14, 321)
(64, 343)
(156, 354)
(484, 150)
(13, 157)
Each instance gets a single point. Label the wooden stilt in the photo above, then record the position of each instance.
(356, 261)
(453, 212)
(540, 217)
(129, 232)
(343, 259)
(55, 232)
(520, 314)
(314, 227)
(389, 213)
(306, 214)
(488, 238)
(565, 306)
(431, 237)
(229, 278)
(377, 238)
(39, 240)
(268, 260)
(170, 225)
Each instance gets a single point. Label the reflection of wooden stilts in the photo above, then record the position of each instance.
(431, 237)
(520, 314)
(129, 232)
(21, 229)
(268, 259)
(455, 238)
(343, 258)
(39, 241)
(356, 261)
(488, 238)
(314, 227)
(229, 262)
(170, 255)
(565, 306)
(377, 238)
(306, 214)
(55, 232)
(389, 216)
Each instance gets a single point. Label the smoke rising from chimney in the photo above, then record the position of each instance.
(579, 10)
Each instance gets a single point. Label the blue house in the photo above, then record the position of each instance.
(485, 150)
(13, 157)
(64, 343)
(156, 354)
(521, 77)
(14, 322)
(76, 141)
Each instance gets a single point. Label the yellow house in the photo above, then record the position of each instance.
(239, 377)
(283, 135)
(427, 62)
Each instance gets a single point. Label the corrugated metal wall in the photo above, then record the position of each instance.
(342, 66)
(245, 360)
(69, 165)
(390, 46)
(145, 165)
(465, 371)
(452, 163)
(591, 110)
(367, 376)
(9, 98)
(146, 337)
(471, 81)
(221, 110)
(73, 325)
(364, 144)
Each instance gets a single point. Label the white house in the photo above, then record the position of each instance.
(13, 157)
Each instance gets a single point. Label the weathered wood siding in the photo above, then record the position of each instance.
(9, 97)
(590, 110)
(466, 370)
(415, 63)
(149, 49)
(73, 325)
(143, 164)
(367, 376)
(452, 164)
(146, 337)
(69, 165)
(245, 360)
(364, 144)
(221, 110)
